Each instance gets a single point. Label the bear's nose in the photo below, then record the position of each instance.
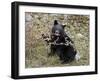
(57, 33)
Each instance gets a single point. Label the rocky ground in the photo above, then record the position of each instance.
(77, 27)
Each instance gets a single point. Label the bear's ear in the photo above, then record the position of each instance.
(55, 22)
(63, 26)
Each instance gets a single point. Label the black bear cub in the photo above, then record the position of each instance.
(61, 44)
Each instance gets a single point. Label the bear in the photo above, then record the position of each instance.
(59, 38)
